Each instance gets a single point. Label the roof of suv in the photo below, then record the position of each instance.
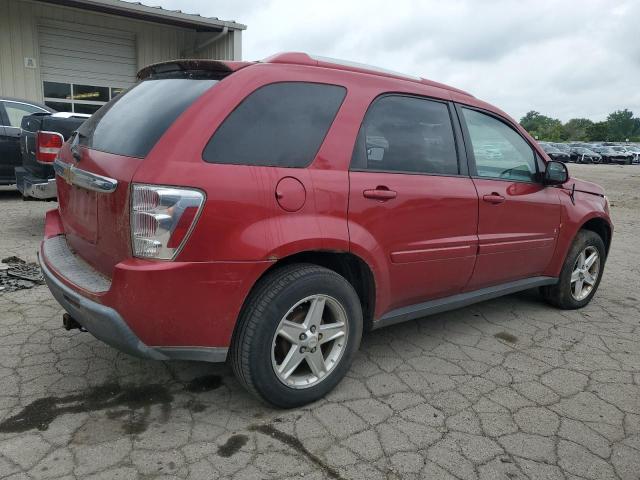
(289, 58)
(299, 58)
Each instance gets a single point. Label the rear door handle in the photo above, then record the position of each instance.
(381, 193)
(494, 198)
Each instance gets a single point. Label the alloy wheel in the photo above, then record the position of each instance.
(309, 341)
(585, 273)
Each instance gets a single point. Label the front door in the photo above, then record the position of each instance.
(409, 203)
(519, 218)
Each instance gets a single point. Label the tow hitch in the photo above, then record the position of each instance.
(70, 323)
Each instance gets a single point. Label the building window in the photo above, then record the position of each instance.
(76, 98)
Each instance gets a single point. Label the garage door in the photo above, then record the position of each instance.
(82, 67)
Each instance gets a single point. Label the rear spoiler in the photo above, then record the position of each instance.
(212, 69)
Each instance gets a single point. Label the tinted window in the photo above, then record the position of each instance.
(282, 124)
(15, 112)
(405, 134)
(500, 152)
(134, 121)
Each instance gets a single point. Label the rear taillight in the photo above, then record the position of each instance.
(48, 144)
(162, 219)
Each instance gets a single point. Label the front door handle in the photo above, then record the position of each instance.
(494, 198)
(380, 193)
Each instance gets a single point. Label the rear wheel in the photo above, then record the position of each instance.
(297, 335)
(581, 273)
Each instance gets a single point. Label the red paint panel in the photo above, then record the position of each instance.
(516, 237)
(466, 248)
(425, 237)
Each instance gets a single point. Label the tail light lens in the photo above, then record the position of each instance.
(162, 219)
(48, 144)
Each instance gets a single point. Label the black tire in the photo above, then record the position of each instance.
(271, 299)
(560, 295)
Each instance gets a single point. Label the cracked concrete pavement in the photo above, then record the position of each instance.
(507, 389)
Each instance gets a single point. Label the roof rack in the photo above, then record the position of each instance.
(300, 58)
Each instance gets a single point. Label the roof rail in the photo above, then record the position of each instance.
(300, 58)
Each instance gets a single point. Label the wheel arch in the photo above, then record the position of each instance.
(352, 267)
(601, 227)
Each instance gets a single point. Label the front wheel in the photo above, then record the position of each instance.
(297, 335)
(581, 273)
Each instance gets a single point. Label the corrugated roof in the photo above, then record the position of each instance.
(159, 14)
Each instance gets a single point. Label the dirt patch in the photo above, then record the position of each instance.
(297, 445)
(205, 383)
(507, 337)
(40, 413)
(232, 445)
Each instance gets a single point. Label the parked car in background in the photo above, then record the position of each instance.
(584, 155)
(563, 147)
(554, 153)
(636, 152)
(273, 211)
(42, 137)
(611, 155)
(12, 111)
(626, 149)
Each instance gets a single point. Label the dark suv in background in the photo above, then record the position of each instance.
(12, 111)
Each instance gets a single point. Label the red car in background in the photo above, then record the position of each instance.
(270, 212)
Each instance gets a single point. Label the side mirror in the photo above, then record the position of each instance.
(556, 173)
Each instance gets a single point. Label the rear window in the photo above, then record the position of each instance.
(278, 125)
(134, 121)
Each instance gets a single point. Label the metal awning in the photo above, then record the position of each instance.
(139, 11)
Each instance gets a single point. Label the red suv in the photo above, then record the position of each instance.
(270, 212)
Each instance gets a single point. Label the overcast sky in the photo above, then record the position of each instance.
(563, 58)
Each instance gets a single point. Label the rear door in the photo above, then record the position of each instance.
(411, 200)
(519, 217)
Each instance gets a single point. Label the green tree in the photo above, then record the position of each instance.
(622, 125)
(576, 129)
(543, 127)
(598, 131)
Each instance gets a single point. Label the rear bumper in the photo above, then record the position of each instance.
(157, 310)
(102, 322)
(40, 188)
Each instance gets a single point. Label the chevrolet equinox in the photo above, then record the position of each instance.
(268, 213)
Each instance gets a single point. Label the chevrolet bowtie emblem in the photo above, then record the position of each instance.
(68, 175)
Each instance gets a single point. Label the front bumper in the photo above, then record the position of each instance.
(40, 188)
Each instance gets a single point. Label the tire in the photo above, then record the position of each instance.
(255, 346)
(562, 295)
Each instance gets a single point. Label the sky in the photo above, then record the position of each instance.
(564, 58)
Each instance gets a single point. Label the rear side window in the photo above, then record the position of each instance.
(134, 121)
(406, 134)
(278, 125)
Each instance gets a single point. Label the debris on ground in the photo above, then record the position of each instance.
(16, 274)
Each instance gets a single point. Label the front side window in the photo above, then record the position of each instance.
(278, 125)
(406, 134)
(16, 111)
(500, 152)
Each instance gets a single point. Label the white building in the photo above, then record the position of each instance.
(77, 54)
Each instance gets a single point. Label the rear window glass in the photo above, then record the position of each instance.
(281, 124)
(134, 121)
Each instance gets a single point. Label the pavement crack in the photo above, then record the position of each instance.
(297, 445)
